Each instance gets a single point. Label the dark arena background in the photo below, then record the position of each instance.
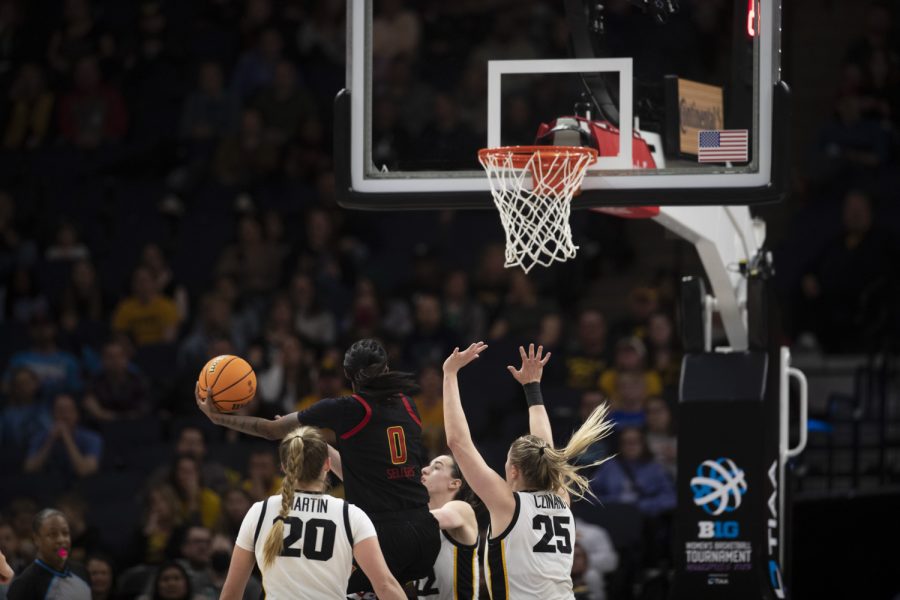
(172, 189)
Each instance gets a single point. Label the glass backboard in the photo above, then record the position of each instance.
(683, 100)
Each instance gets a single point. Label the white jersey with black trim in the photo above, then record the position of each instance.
(454, 575)
(532, 558)
(317, 556)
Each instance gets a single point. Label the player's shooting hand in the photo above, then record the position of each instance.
(458, 360)
(532, 365)
(205, 405)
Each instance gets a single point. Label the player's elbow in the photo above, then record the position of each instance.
(388, 587)
(457, 442)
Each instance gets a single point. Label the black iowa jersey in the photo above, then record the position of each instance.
(381, 448)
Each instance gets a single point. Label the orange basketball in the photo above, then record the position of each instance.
(230, 379)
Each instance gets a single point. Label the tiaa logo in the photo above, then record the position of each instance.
(718, 486)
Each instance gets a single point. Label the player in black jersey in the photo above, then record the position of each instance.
(378, 434)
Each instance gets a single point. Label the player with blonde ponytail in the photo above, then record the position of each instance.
(529, 551)
(305, 540)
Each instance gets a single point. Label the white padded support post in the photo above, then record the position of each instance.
(723, 236)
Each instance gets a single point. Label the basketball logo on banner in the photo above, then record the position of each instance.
(718, 486)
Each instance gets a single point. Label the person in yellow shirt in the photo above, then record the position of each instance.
(329, 384)
(146, 316)
(431, 409)
(198, 504)
(262, 475)
(631, 357)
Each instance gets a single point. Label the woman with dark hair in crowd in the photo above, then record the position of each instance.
(529, 548)
(199, 504)
(304, 540)
(102, 574)
(172, 583)
(378, 433)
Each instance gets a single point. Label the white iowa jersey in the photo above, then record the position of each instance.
(454, 575)
(533, 557)
(317, 556)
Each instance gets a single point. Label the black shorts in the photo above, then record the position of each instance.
(410, 543)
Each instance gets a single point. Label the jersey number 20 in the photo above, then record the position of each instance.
(555, 528)
(318, 543)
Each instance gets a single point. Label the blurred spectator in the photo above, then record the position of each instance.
(31, 110)
(10, 546)
(396, 30)
(284, 105)
(24, 300)
(15, 250)
(66, 448)
(197, 503)
(446, 142)
(12, 38)
(663, 349)
(279, 326)
(580, 587)
(236, 501)
(93, 113)
(209, 112)
(642, 303)
(214, 322)
(588, 358)
(289, 379)
(219, 560)
(661, 438)
(146, 316)
(430, 402)
(252, 261)
(311, 319)
(78, 38)
(67, 246)
(191, 441)
(154, 260)
(194, 554)
(630, 400)
(633, 477)
(430, 339)
(57, 371)
(522, 310)
(852, 277)
(102, 576)
(602, 557)
(364, 317)
(21, 513)
(172, 582)
(116, 392)
(85, 536)
(161, 517)
(83, 296)
(256, 67)
(262, 475)
(329, 383)
(631, 356)
(462, 315)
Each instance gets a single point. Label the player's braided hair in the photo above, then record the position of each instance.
(546, 468)
(366, 365)
(303, 453)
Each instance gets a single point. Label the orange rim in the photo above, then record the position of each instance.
(522, 154)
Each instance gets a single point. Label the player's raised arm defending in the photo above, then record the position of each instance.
(271, 429)
(484, 481)
(529, 375)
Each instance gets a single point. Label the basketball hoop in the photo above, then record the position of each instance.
(533, 188)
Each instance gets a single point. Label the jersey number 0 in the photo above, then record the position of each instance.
(397, 444)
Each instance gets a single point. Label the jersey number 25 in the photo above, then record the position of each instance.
(557, 527)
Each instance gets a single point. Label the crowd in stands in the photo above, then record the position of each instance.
(166, 196)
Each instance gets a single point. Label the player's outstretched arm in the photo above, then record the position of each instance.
(529, 375)
(370, 559)
(483, 480)
(458, 515)
(271, 429)
(242, 562)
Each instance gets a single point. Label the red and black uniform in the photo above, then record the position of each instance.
(382, 455)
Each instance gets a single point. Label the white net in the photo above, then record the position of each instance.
(532, 189)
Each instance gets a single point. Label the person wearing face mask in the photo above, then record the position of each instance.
(219, 559)
(51, 576)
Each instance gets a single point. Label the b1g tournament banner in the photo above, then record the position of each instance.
(727, 441)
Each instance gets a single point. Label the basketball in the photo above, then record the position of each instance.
(230, 379)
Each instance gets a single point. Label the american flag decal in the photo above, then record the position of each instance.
(725, 145)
